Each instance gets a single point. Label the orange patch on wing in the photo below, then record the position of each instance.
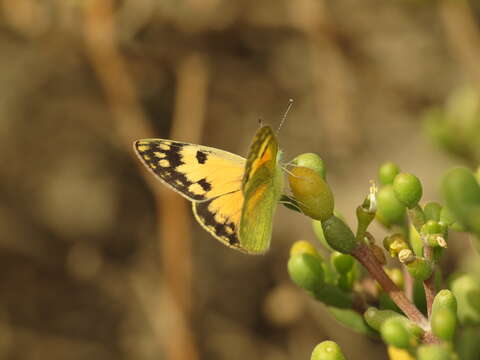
(256, 197)
(267, 157)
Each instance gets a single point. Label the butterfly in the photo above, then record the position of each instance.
(233, 198)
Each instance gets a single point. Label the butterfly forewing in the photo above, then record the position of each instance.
(197, 172)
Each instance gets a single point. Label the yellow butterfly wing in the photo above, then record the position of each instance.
(209, 177)
(196, 172)
(220, 216)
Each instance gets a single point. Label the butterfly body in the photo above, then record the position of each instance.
(233, 198)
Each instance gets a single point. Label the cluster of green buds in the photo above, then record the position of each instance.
(401, 302)
(455, 125)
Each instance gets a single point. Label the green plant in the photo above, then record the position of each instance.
(411, 306)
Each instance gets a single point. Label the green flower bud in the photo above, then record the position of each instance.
(341, 262)
(434, 233)
(387, 173)
(398, 246)
(364, 218)
(311, 161)
(338, 235)
(467, 292)
(400, 332)
(366, 212)
(327, 350)
(306, 271)
(444, 323)
(406, 256)
(408, 189)
(462, 196)
(433, 352)
(317, 229)
(420, 268)
(433, 227)
(477, 174)
(312, 193)
(445, 299)
(432, 211)
(375, 318)
(436, 241)
(389, 209)
(303, 247)
(395, 243)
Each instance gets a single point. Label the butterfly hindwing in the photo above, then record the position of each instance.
(197, 172)
(221, 217)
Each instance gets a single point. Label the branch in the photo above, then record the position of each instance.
(364, 255)
(429, 284)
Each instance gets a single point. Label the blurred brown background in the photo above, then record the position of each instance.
(96, 260)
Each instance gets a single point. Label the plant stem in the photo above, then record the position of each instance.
(429, 284)
(364, 255)
(408, 284)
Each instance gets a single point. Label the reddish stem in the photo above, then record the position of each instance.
(364, 255)
(408, 284)
(429, 284)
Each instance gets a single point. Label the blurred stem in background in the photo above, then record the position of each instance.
(333, 89)
(173, 331)
(463, 36)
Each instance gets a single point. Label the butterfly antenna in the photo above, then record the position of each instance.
(284, 117)
(284, 168)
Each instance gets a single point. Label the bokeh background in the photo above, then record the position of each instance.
(97, 261)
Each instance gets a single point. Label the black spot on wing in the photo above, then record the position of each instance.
(205, 184)
(201, 157)
(220, 229)
(170, 153)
